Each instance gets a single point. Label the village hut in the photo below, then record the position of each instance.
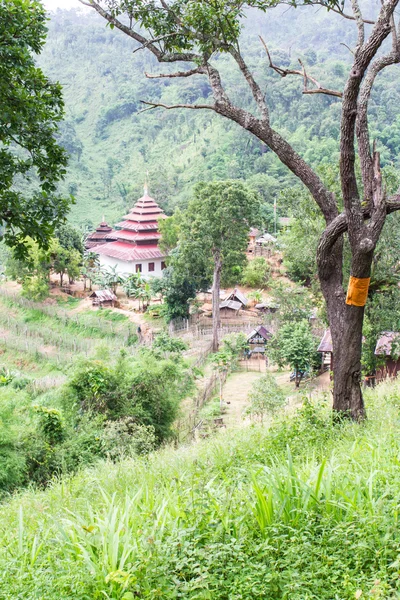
(253, 235)
(102, 235)
(266, 239)
(103, 298)
(267, 307)
(229, 308)
(257, 340)
(388, 347)
(326, 349)
(237, 296)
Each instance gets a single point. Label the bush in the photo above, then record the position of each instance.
(256, 273)
(266, 398)
(125, 437)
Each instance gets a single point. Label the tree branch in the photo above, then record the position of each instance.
(362, 131)
(340, 225)
(159, 54)
(198, 70)
(253, 85)
(363, 57)
(306, 78)
(344, 15)
(172, 106)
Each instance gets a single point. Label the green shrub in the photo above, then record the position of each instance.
(256, 273)
(266, 397)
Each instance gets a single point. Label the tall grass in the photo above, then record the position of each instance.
(302, 510)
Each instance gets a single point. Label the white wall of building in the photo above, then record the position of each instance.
(128, 267)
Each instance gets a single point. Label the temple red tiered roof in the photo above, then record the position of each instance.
(101, 235)
(136, 237)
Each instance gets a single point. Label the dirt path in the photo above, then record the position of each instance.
(238, 385)
(236, 391)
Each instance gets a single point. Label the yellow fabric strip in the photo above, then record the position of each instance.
(357, 292)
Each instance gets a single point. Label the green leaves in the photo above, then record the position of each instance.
(31, 108)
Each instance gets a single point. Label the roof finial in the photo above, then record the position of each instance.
(103, 219)
(146, 181)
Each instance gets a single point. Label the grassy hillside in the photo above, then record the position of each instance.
(113, 144)
(303, 510)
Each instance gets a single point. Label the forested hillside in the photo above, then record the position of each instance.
(112, 143)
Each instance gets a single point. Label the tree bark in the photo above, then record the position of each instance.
(215, 300)
(346, 324)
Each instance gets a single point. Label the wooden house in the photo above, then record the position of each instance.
(229, 308)
(253, 235)
(266, 239)
(103, 298)
(237, 296)
(326, 349)
(388, 347)
(267, 307)
(257, 340)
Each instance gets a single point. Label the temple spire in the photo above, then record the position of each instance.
(146, 184)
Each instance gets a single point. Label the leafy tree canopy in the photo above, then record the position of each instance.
(31, 107)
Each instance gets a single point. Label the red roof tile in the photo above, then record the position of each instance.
(129, 252)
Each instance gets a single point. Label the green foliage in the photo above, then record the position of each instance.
(167, 345)
(125, 437)
(216, 224)
(266, 397)
(295, 346)
(302, 509)
(94, 385)
(294, 303)
(32, 106)
(50, 423)
(256, 273)
(178, 288)
(170, 231)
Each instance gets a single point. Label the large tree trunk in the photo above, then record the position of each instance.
(347, 340)
(346, 323)
(215, 300)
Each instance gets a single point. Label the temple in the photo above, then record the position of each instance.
(101, 235)
(135, 246)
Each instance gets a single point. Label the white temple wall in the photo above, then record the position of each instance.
(128, 267)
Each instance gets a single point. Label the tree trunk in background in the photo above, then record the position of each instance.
(215, 300)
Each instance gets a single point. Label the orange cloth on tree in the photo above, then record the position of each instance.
(357, 292)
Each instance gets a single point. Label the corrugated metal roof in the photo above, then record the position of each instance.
(231, 304)
(128, 252)
(384, 344)
(260, 330)
(326, 342)
(237, 295)
(103, 295)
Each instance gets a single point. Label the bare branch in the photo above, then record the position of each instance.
(154, 41)
(339, 226)
(198, 70)
(258, 96)
(350, 109)
(360, 23)
(306, 77)
(172, 106)
(344, 15)
(149, 44)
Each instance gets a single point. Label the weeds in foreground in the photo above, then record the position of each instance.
(302, 510)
